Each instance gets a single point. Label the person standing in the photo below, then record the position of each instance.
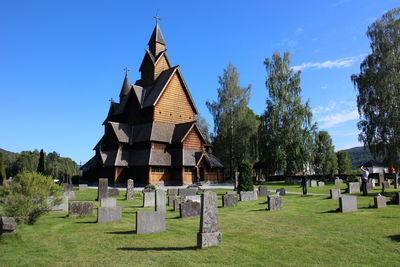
(364, 180)
(304, 183)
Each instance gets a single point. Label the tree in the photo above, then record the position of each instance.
(3, 176)
(40, 167)
(235, 125)
(204, 126)
(325, 160)
(344, 162)
(378, 85)
(26, 197)
(245, 176)
(286, 130)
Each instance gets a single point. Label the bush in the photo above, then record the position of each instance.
(150, 186)
(245, 176)
(26, 197)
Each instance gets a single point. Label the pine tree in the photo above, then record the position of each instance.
(40, 167)
(2, 169)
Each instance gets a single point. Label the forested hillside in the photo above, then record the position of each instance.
(360, 155)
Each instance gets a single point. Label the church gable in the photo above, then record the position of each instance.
(174, 105)
(193, 140)
(161, 64)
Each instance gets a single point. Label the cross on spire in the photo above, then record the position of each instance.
(111, 100)
(157, 17)
(126, 70)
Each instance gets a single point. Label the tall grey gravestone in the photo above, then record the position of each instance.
(335, 193)
(381, 178)
(353, 187)
(149, 198)
(348, 203)
(262, 191)
(130, 193)
(160, 200)
(209, 234)
(274, 202)
(103, 188)
(380, 202)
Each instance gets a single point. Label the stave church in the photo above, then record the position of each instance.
(151, 134)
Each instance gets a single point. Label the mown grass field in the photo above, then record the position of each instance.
(304, 232)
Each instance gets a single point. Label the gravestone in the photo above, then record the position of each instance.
(193, 198)
(281, 191)
(63, 206)
(7, 225)
(396, 198)
(353, 187)
(177, 203)
(108, 202)
(248, 196)
(370, 186)
(149, 198)
(236, 181)
(274, 202)
(130, 190)
(380, 202)
(381, 177)
(172, 191)
(347, 203)
(320, 183)
(67, 187)
(148, 222)
(171, 200)
(313, 183)
(160, 200)
(189, 209)
(229, 200)
(83, 187)
(183, 192)
(113, 192)
(109, 214)
(338, 181)
(385, 185)
(103, 189)
(262, 191)
(335, 193)
(69, 194)
(232, 192)
(209, 234)
(80, 208)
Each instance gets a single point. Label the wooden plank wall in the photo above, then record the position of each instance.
(193, 141)
(161, 65)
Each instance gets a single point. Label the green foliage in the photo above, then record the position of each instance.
(378, 86)
(325, 159)
(203, 125)
(235, 125)
(245, 176)
(344, 162)
(150, 186)
(40, 167)
(286, 130)
(26, 197)
(360, 155)
(3, 176)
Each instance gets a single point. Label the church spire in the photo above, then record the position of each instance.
(156, 42)
(126, 85)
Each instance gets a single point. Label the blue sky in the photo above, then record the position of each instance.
(61, 61)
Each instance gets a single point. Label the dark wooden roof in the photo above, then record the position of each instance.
(156, 36)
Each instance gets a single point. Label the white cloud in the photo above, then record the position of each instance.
(329, 64)
(299, 30)
(332, 120)
(334, 106)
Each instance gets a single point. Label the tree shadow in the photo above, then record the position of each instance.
(159, 249)
(395, 237)
(121, 232)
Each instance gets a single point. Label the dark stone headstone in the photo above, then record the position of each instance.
(80, 208)
(380, 202)
(189, 209)
(109, 214)
(83, 187)
(335, 193)
(149, 198)
(209, 234)
(248, 196)
(348, 203)
(172, 191)
(130, 190)
(113, 192)
(281, 191)
(385, 185)
(396, 198)
(103, 188)
(229, 200)
(148, 222)
(262, 191)
(353, 187)
(274, 202)
(160, 200)
(183, 192)
(338, 181)
(7, 225)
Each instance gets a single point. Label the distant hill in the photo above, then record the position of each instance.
(360, 155)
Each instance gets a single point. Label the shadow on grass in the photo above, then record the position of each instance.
(395, 237)
(258, 210)
(121, 232)
(330, 211)
(159, 249)
(86, 222)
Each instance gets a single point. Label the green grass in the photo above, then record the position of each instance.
(304, 232)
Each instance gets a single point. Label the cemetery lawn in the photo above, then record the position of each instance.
(305, 232)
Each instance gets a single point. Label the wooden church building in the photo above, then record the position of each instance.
(151, 135)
